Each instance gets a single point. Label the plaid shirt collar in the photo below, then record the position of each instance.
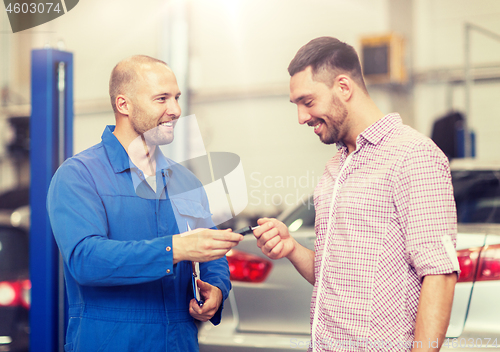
(376, 131)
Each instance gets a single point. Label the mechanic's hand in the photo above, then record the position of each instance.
(203, 245)
(212, 297)
(273, 238)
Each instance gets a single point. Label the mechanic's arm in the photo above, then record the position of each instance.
(214, 290)
(203, 245)
(212, 298)
(215, 283)
(275, 242)
(79, 224)
(434, 309)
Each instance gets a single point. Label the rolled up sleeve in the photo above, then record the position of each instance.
(426, 207)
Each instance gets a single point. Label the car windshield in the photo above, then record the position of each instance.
(477, 195)
(302, 216)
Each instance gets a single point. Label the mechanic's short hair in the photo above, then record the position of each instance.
(125, 73)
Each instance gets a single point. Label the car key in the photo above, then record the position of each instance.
(246, 230)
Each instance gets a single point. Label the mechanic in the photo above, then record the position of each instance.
(125, 217)
(384, 266)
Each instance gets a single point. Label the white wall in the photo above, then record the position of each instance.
(99, 34)
(439, 43)
(236, 46)
(247, 42)
(6, 174)
(241, 50)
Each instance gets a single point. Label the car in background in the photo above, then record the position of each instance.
(15, 285)
(268, 308)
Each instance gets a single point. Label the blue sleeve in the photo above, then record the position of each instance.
(79, 223)
(216, 273)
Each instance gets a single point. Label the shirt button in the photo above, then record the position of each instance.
(168, 249)
(168, 271)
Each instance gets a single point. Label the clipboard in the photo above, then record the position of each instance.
(196, 290)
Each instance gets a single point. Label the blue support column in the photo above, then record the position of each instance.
(51, 133)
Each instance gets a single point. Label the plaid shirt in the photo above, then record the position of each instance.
(392, 221)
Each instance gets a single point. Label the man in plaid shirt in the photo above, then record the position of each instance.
(384, 266)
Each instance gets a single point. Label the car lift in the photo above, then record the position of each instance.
(51, 132)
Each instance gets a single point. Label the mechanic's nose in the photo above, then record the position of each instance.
(174, 110)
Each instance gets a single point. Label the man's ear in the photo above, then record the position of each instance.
(344, 86)
(122, 105)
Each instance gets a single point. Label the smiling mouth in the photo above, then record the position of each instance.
(315, 124)
(168, 124)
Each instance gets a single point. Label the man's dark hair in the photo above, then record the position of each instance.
(328, 57)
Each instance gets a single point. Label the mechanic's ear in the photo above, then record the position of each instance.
(123, 105)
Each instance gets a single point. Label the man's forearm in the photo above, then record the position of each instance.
(434, 309)
(302, 259)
